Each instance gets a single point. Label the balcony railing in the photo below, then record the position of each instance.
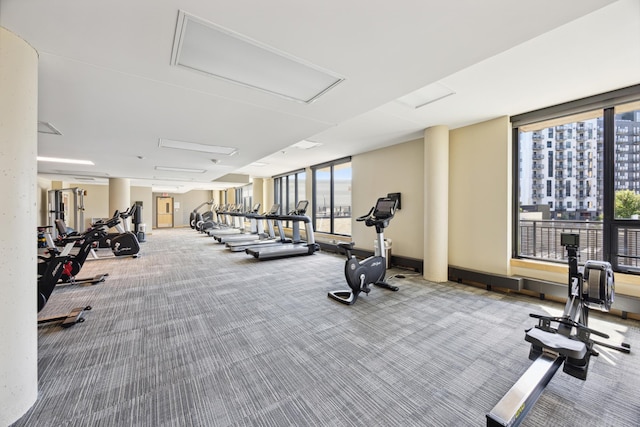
(540, 239)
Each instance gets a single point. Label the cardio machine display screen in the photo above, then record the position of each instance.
(384, 208)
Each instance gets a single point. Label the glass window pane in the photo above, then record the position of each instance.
(323, 200)
(291, 193)
(302, 193)
(342, 199)
(561, 189)
(626, 179)
(277, 192)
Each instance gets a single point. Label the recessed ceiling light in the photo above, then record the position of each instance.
(202, 46)
(193, 146)
(258, 164)
(427, 95)
(172, 169)
(60, 160)
(46, 127)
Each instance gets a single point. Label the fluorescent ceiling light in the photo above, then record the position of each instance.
(162, 178)
(306, 145)
(427, 95)
(76, 173)
(59, 160)
(46, 127)
(172, 169)
(258, 164)
(216, 51)
(192, 146)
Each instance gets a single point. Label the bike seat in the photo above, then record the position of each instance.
(559, 343)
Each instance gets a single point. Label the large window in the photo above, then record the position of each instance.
(588, 184)
(332, 197)
(289, 189)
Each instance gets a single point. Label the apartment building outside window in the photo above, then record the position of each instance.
(593, 187)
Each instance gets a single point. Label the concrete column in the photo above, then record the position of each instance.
(267, 193)
(258, 196)
(119, 195)
(436, 203)
(18, 189)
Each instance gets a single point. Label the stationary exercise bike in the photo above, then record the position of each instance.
(83, 241)
(360, 275)
(565, 340)
(52, 271)
(122, 243)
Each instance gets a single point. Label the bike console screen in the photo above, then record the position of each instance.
(385, 208)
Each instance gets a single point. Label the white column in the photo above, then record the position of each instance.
(436, 200)
(119, 195)
(18, 187)
(267, 193)
(258, 193)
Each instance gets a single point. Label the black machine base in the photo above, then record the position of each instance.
(346, 297)
(98, 278)
(74, 316)
(349, 297)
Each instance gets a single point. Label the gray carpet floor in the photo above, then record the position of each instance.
(190, 334)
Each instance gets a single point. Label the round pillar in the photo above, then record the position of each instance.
(18, 282)
(119, 195)
(436, 209)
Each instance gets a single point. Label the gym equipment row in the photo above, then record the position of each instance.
(565, 340)
(229, 228)
(61, 267)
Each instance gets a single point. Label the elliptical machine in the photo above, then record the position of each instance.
(360, 275)
(195, 216)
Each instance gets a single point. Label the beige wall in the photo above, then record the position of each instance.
(396, 169)
(480, 196)
(144, 195)
(44, 185)
(184, 204)
(96, 201)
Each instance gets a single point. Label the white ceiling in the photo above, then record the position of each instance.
(105, 79)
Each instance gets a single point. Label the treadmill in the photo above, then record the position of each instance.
(243, 241)
(256, 228)
(236, 217)
(297, 246)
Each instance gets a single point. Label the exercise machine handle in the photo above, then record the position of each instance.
(364, 217)
(569, 322)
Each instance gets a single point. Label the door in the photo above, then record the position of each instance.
(164, 212)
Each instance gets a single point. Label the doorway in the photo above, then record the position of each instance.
(164, 212)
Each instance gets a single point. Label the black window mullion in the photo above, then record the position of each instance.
(608, 241)
(515, 161)
(331, 199)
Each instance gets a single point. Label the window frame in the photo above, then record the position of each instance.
(314, 169)
(611, 226)
(281, 190)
